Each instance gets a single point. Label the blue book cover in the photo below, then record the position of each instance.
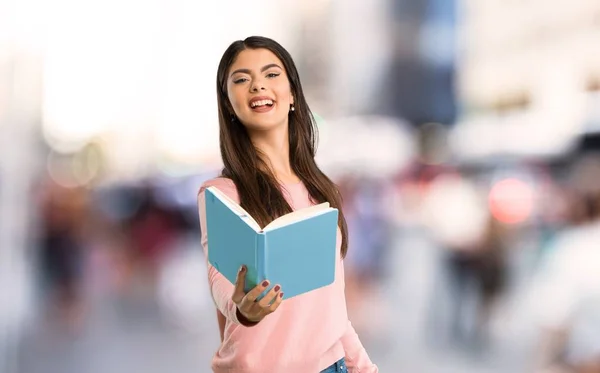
(297, 250)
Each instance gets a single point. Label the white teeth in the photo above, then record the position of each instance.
(261, 103)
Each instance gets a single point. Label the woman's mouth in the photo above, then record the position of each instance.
(262, 105)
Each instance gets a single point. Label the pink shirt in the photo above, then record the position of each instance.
(306, 334)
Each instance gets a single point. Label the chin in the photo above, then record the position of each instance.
(264, 125)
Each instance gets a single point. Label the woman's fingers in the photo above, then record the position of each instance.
(265, 303)
(249, 300)
(249, 305)
(276, 303)
(238, 293)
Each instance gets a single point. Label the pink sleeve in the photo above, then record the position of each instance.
(221, 289)
(356, 356)
(357, 359)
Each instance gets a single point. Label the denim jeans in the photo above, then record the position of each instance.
(337, 367)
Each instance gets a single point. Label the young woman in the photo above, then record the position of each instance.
(267, 140)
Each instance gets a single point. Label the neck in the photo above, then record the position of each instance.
(275, 150)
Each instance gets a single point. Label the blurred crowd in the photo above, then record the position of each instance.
(511, 243)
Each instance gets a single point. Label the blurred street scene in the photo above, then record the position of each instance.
(464, 135)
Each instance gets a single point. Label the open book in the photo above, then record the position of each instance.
(296, 250)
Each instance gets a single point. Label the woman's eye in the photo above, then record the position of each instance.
(272, 75)
(240, 80)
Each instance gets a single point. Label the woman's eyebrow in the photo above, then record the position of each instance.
(247, 71)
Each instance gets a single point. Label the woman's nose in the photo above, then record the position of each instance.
(257, 86)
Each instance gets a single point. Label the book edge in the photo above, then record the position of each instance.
(243, 214)
(317, 212)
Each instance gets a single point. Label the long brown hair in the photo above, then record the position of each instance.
(258, 189)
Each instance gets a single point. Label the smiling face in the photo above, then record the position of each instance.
(259, 90)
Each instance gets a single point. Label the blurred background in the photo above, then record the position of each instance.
(464, 135)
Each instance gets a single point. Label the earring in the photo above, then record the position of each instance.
(232, 118)
(292, 108)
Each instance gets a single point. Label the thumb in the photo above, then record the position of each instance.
(238, 292)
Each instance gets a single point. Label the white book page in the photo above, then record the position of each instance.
(233, 206)
(298, 215)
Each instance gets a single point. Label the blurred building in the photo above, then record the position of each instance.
(529, 76)
(419, 83)
(343, 48)
(394, 58)
(20, 98)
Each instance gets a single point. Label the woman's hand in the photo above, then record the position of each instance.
(248, 306)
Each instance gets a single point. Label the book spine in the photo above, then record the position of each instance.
(261, 256)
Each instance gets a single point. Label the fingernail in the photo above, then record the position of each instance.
(280, 295)
(265, 283)
(242, 269)
(277, 288)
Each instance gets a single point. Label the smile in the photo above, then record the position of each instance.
(259, 103)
